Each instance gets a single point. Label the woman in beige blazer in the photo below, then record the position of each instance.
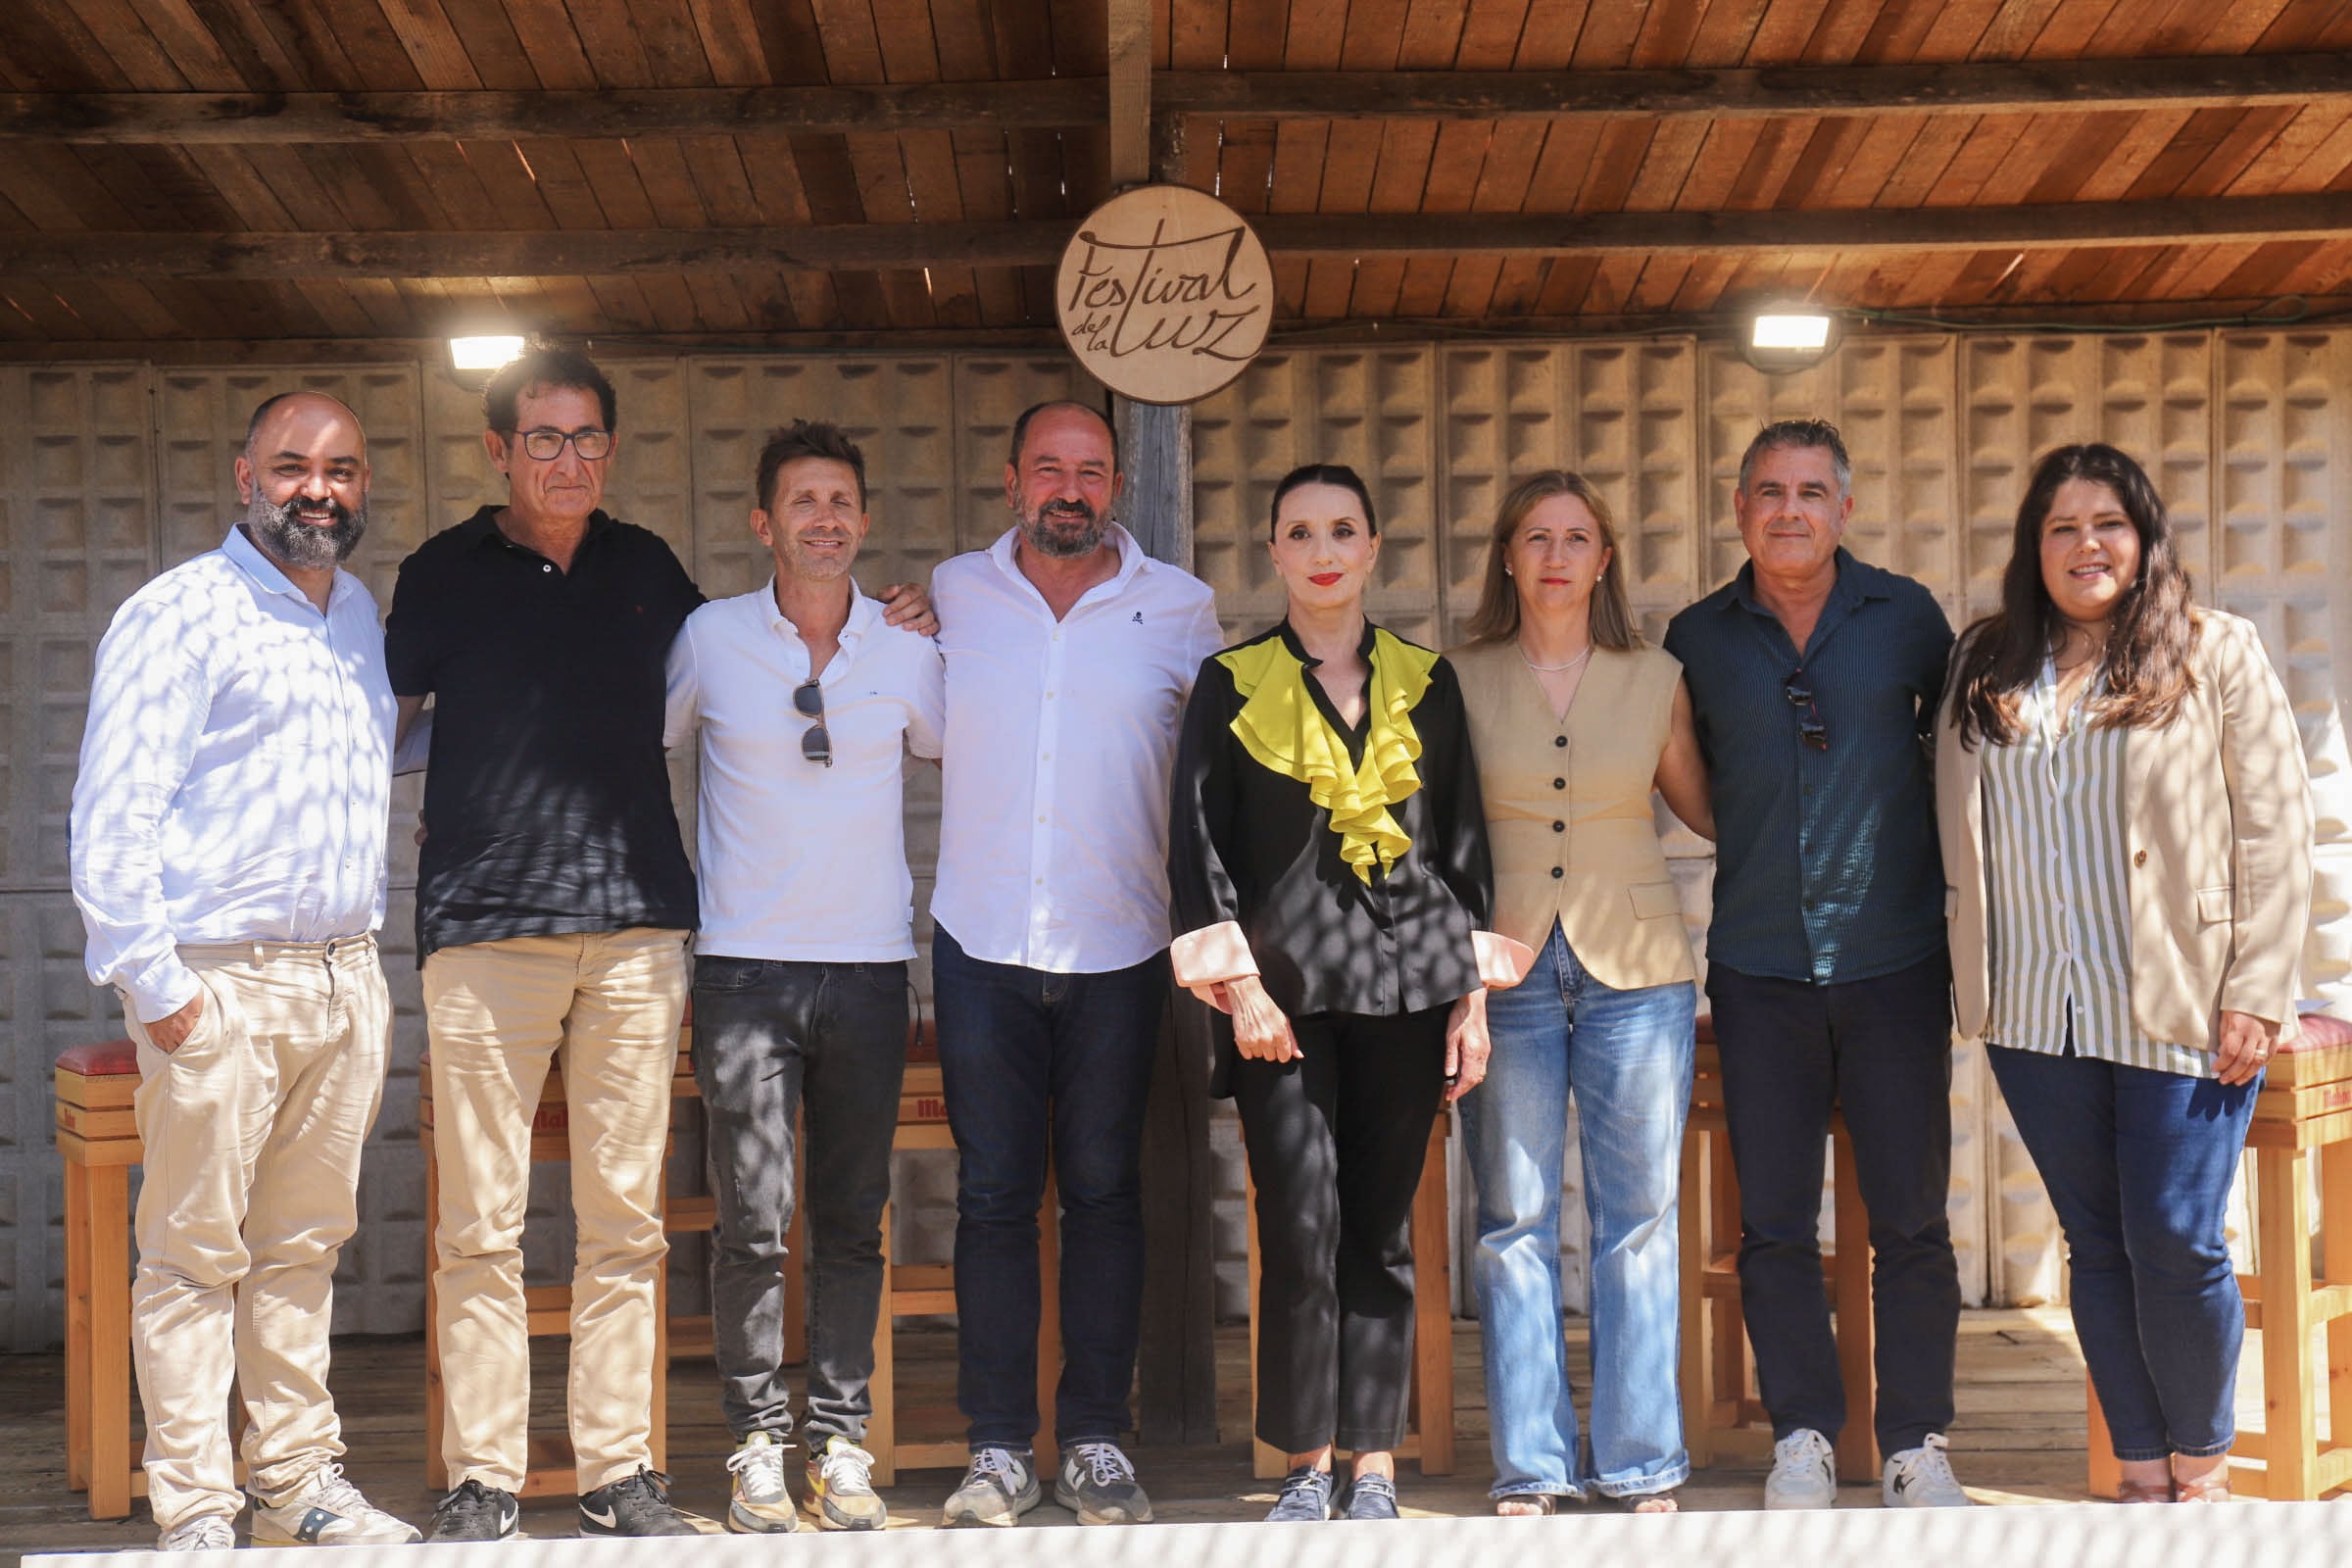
(1574, 721)
(2126, 824)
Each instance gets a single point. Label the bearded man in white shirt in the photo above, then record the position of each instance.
(229, 830)
(1069, 655)
(804, 701)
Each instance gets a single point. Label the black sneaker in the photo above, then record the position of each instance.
(633, 1505)
(1305, 1497)
(475, 1512)
(1369, 1498)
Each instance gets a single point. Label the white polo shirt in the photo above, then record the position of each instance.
(799, 861)
(1060, 735)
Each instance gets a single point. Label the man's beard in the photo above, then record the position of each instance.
(305, 546)
(1065, 530)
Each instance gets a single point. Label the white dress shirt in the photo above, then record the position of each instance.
(236, 771)
(1060, 735)
(799, 861)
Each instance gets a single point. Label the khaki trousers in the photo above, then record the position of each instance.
(610, 1003)
(253, 1130)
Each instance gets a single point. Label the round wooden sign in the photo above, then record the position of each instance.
(1165, 294)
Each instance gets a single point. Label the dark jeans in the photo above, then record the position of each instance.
(1038, 1065)
(1336, 1140)
(1881, 1049)
(2139, 1165)
(770, 1038)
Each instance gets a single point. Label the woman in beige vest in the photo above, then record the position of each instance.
(1575, 720)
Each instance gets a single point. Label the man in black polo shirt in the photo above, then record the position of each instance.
(553, 904)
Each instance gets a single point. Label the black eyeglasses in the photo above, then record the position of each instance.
(809, 701)
(546, 443)
(1809, 728)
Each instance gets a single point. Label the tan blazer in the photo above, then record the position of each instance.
(1570, 826)
(2220, 836)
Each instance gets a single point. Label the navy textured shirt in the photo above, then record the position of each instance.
(1826, 863)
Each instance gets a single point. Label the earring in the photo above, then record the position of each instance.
(1507, 572)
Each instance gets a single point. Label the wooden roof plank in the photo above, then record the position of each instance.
(730, 38)
(37, 301)
(932, 180)
(1703, 285)
(186, 37)
(1782, 32)
(1566, 284)
(117, 30)
(716, 166)
(1518, 284)
(1956, 30)
(672, 44)
(242, 187)
(2153, 28)
(1666, 31)
(1979, 155)
(2070, 27)
(1470, 292)
(1489, 35)
(2039, 151)
(1885, 143)
(1314, 34)
(1197, 35)
(507, 180)
(2305, 24)
(2239, 26)
(908, 43)
(2109, 175)
(459, 190)
(609, 38)
(616, 191)
(260, 39)
(2313, 147)
(1372, 39)
(1548, 37)
(374, 54)
(45, 48)
(552, 43)
(1902, 26)
(456, 38)
(1432, 34)
(766, 299)
(1725, 33)
(1828, 149)
(669, 184)
(1840, 31)
(442, 60)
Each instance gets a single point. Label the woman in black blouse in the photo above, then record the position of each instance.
(1328, 863)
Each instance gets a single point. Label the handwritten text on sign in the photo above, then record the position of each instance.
(1165, 295)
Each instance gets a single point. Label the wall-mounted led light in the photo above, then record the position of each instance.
(1781, 338)
(484, 354)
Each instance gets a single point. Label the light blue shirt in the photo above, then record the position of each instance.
(236, 772)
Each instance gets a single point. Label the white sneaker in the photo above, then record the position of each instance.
(1922, 1478)
(759, 1505)
(328, 1511)
(1804, 1472)
(841, 1488)
(207, 1531)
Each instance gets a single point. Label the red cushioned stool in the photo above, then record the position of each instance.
(98, 1140)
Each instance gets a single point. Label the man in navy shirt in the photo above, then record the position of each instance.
(1814, 679)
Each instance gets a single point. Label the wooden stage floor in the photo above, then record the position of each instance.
(2018, 1439)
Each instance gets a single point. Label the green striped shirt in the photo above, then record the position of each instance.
(2060, 906)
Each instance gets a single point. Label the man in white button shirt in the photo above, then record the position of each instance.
(228, 858)
(1069, 655)
(804, 701)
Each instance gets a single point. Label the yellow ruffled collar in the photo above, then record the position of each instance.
(1283, 728)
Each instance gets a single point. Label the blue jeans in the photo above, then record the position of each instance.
(1035, 1063)
(2139, 1165)
(1626, 1056)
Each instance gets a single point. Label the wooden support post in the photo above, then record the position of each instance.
(1177, 1367)
(1858, 1443)
(2335, 1244)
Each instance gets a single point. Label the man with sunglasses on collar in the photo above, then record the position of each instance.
(1814, 679)
(804, 702)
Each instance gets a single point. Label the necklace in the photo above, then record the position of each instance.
(1553, 669)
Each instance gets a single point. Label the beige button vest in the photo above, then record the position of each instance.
(1568, 809)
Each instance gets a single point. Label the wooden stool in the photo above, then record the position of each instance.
(1723, 1418)
(2303, 1112)
(1429, 1435)
(550, 1468)
(98, 1140)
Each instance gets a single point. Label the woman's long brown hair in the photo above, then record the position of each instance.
(2148, 638)
(1497, 618)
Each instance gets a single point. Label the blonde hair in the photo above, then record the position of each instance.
(1497, 617)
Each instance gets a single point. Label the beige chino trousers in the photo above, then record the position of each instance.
(253, 1130)
(607, 1007)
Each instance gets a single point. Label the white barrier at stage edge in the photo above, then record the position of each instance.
(2255, 1534)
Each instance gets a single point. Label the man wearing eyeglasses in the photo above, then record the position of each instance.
(1814, 679)
(804, 701)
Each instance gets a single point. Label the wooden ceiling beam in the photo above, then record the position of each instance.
(1973, 86)
(573, 252)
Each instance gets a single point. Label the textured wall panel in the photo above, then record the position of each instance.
(77, 537)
